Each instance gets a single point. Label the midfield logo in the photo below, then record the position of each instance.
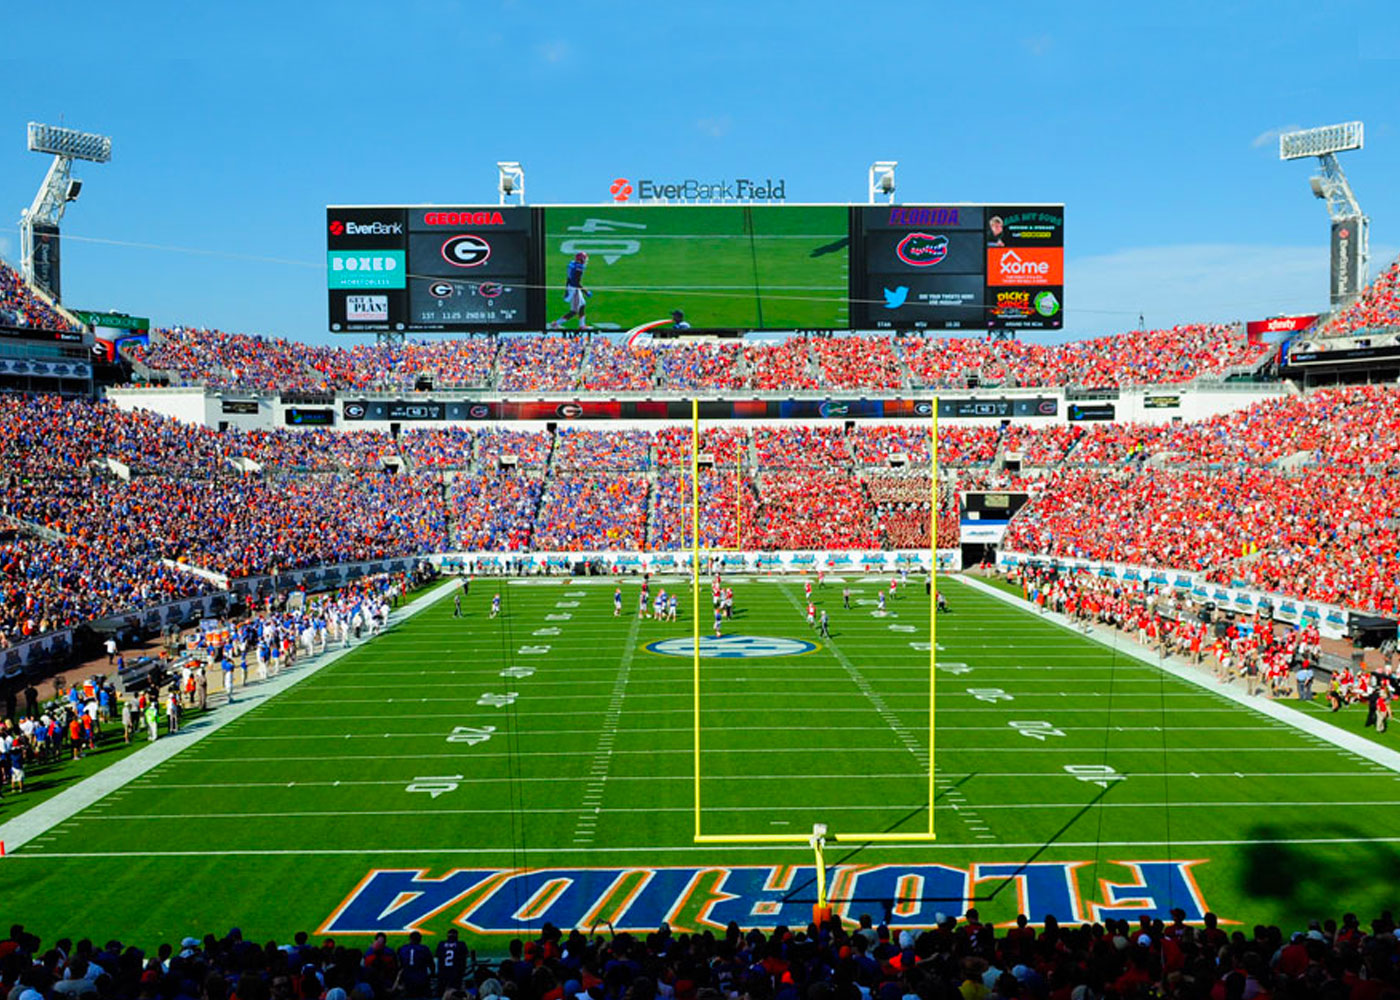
(511, 902)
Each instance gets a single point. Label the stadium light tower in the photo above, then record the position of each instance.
(512, 182)
(881, 184)
(1351, 229)
(58, 189)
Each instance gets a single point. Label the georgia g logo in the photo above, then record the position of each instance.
(922, 249)
(466, 251)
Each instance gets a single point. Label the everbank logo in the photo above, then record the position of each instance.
(620, 189)
(339, 228)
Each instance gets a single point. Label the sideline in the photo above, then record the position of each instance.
(44, 817)
(1312, 726)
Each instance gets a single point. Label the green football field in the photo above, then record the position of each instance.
(538, 767)
(727, 266)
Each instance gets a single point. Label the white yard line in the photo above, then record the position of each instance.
(64, 806)
(1342, 740)
(981, 776)
(585, 831)
(956, 805)
(649, 851)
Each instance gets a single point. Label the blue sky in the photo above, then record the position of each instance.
(235, 124)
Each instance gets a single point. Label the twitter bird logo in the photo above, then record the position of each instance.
(894, 298)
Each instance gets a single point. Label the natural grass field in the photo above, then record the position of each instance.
(731, 266)
(272, 822)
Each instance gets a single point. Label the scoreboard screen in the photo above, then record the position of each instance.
(431, 269)
(449, 269)
(970, 267)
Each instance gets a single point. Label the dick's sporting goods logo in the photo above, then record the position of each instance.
(339, 228)
(922, 249)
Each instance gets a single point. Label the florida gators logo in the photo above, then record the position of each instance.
(922, 249)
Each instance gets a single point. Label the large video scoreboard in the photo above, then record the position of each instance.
(724, 267)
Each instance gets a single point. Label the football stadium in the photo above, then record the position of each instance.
(694, 593)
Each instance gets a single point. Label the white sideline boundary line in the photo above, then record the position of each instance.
(799, 851)
(1339, 738)
(66, 804)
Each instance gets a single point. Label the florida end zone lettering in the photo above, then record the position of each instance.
(491, 901)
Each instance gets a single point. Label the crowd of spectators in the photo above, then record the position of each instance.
(858, 363)
(49, 585)
(495, 510)
(577, 450)
(613, 366)
(701, 365)
(1151, 357)
(1217, 499)
(960, 958)
(220, 360)
(582, 512)
(728, 505)
(604, 363)
(1378, 308)
(21, 305)
(539, 363)
(784, 364)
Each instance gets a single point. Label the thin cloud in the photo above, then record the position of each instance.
(553, 52)
(1269, 137)
(715, 128)
(1195, 283)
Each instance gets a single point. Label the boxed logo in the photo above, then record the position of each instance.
(365, 269)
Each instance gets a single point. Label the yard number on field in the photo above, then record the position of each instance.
(1094, 774)
(1035, 729)
(493, 700)
(989, 694)
(471, 735)
(435, 785)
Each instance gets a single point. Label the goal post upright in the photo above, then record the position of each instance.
(813, 840)
(695, 587)
(932, 601)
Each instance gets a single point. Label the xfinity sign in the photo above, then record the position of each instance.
(693, 189)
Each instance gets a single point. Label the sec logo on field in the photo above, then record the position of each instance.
(732, 647)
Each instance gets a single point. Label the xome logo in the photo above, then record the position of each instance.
(466, 251)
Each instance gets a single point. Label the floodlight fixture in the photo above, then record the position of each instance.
(511, 184)
(881, 181)
(58, 189)
(1351, 229)
(1321, 141)
(69, 142)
